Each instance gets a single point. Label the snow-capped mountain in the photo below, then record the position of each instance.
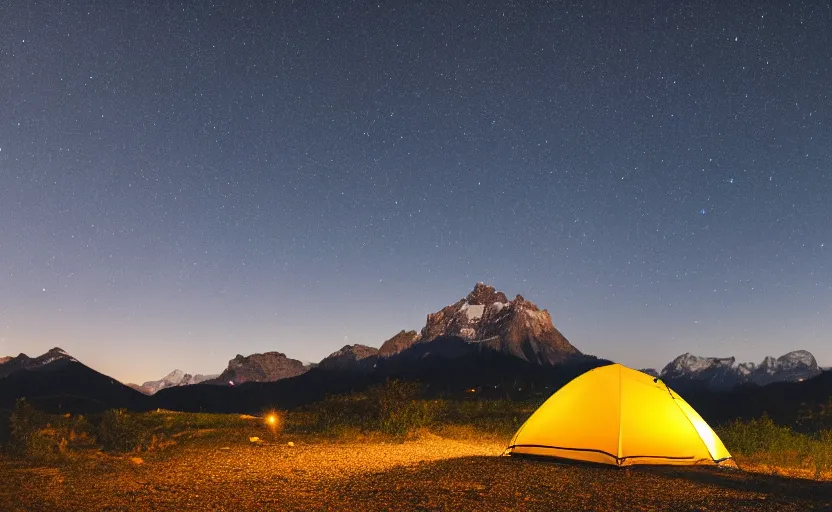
(723, 373)
(174, 378)
(349, 357)
(266, 367)
(24, 362)
(516, 327)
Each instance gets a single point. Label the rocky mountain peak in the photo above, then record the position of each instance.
(486, 316)
(484, 294)
(689, 363)
(357, 350)
(173, 379)
(5, 359)
(768, 364)
(266, 367)
(797, 359)
(348, 357)
(52, 355)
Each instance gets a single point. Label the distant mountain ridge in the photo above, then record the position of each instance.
(24, 362)
(349, 357)
(265, 367)
(485, 316)
(174, 378)
(723, 373)
(483, 341)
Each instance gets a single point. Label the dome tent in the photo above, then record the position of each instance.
(620, 416)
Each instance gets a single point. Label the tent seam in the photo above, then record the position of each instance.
(618, 457)
(698, 435)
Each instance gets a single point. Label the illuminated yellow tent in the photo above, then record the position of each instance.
(616, 415)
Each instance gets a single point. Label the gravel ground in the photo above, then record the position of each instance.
(428, 474)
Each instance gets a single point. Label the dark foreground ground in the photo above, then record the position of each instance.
(428, 474)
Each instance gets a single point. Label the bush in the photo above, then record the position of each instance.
(31, 434)
(392, 408)
(395, 408)
(498, 418)
(5, 431)
(764, 440)
(822, 453)
(759, 436)
(119, 431)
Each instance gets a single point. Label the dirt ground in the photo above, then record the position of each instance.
(426, 474)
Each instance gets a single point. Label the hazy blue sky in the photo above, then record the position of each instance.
(180, 184)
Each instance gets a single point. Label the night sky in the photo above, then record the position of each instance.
(184, 183)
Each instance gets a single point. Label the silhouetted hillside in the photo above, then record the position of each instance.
(65, 385)
(447, 366)
(806, 404)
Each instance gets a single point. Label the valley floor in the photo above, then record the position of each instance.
(430, 473)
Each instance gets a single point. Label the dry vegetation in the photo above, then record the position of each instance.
(381, 450)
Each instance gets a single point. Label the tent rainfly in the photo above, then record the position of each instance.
(620, 416)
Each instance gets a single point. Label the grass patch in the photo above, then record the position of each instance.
(396, 409)
(35, 435)
(761, 442)
(39, 436)
(393, 411)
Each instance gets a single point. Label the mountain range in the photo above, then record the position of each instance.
(174, 378)
(486, 317)
(717, 373)
(483, 341)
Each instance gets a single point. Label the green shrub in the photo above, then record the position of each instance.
(32, 435)
(822, 453)
(764, 440)
(392, 408)
(5, 428)
(120, 431)
(500, 418)
(759, 436)
(395, 408)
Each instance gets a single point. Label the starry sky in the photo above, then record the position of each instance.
(182, 182)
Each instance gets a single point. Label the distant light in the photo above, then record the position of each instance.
(230, 382)
(271, 419)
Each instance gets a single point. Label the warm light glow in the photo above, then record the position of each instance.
(272, 421)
